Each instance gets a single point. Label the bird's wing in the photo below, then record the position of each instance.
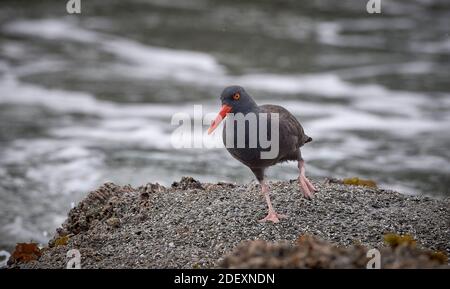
(291, 130)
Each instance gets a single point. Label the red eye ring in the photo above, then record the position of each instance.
(236, 96)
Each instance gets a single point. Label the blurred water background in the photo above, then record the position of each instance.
(88, 98)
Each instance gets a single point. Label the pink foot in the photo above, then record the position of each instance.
(309, 184)
(304, 188)
(305, 185)
(273, 217)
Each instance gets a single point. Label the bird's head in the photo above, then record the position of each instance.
(234, 100)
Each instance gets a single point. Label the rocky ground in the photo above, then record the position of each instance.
(195, 225)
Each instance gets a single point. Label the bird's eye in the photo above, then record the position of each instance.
(236, 96)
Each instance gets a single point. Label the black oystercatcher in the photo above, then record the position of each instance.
(235, 100)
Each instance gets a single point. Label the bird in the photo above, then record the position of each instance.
(291, 135)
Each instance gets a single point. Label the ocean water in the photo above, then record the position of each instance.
(88, 98)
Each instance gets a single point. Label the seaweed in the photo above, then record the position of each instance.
(359, 182)
(62, 241)
(395, 240)
(439, 256)
(24, 253)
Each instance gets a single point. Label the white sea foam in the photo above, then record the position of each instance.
(14, 91)
(55, 160)
(4, 255)
(329, 33)
(437, 47)
(196, 68)
(184, 4)
(69, 152)
(368, 122)
(18, 230)
(419, 67)
(148, 135)
(156, 62)
(148, 124)
(367, 24)
(52, 29)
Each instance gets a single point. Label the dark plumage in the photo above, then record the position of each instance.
(291, 136)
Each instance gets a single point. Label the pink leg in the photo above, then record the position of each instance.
(306, 186)
(272, 215)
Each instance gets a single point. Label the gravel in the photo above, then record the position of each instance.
(194, 225)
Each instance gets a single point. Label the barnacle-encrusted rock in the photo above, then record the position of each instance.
(187, 183)
(146, 191)
(24, 253)
(312, 252)
(97, 205)
(156, 227)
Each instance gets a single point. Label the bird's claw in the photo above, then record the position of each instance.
(273, 217)
(308, 195)
(306, 187)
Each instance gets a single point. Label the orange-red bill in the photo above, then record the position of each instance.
(222, 114)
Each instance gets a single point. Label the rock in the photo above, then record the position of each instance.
(188, 227)
(113, 222)
(24, 253)
(188, 183)
(310, 252)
